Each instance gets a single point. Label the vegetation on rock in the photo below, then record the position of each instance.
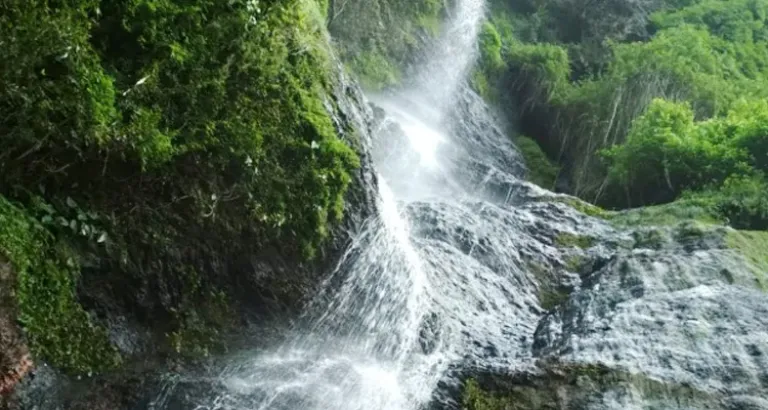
(149, 147)
(561, 385)
(541, 170)
(752, 245)
(380, 39)
(569, 240)
(56, 325)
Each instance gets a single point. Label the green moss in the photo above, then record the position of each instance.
(489, 68)
(585, 207)
(753, 246)
(201, 131)
(541, 170)
(549, 298)
(574, 385)
(322, 6)
(480, 83)
(550, 293)
(375, 71)
(569, 240)
(475, 398)
(581, 206)
(690, 230)
(430, 23)
(665, 215)
(58, 328)
(199, 321)
(648, 238)
(490, 47)
(379, 39)
(574, 262)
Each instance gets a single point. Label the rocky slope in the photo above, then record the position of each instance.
(664, 313)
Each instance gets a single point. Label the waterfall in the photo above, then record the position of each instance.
(431, 281)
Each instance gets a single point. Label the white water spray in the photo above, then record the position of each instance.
(434, 270)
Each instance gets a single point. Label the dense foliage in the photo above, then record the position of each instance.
(653, 101)
(150, 143)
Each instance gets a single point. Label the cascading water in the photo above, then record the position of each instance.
(432, 280)
(450, 278)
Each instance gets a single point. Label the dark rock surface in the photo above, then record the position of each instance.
(15, 361)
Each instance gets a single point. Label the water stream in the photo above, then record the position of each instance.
(431, 281)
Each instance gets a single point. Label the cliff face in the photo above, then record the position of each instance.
(647, 308)
(170, 174)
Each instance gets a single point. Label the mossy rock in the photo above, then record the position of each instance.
(541, 170)
(58, 328)
(551, 298)
(753, 246)
(580, 205)
(570, 240)
(202, 133)
(375, 71)
(550, 293)
(573, 385)
(665, 215)
(379, 40)
(649, 238)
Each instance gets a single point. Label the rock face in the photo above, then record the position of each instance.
(15, 361)
(267, 285)
(667, 317)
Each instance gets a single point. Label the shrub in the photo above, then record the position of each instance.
(742, 201)
(541, 170)
(667, 153)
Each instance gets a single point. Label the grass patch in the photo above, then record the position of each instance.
(753, 246)
(541, 170)
(665, 215)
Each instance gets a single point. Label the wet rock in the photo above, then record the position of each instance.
(15, 360)
(675, 321)
(429, 333)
